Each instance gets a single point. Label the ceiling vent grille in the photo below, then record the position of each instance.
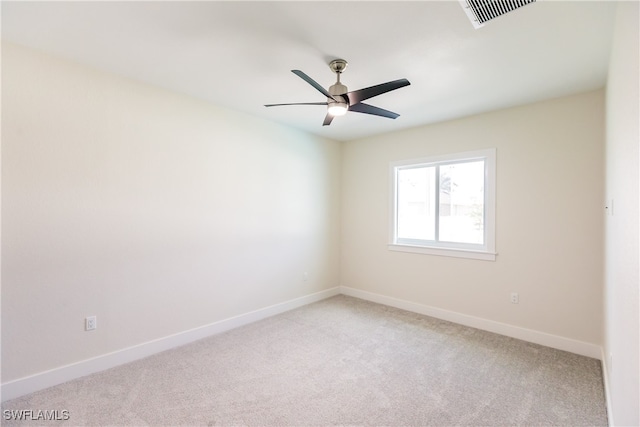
(481, 11)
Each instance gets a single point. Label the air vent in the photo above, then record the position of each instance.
(481, 11)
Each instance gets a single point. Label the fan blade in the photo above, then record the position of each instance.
(327, 120)
(297, 103)
(370, 109)
(313, 83)
(369, 92)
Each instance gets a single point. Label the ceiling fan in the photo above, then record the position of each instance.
(339, 100)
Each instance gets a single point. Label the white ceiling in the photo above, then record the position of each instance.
(239, 54)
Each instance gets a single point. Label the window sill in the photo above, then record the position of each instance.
(450, 252)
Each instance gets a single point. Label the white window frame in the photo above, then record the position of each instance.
(485, 251)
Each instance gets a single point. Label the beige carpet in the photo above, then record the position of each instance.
(342, 361)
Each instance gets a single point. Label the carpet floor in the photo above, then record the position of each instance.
(341, 361)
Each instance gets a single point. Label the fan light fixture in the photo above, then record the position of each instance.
(337, 109)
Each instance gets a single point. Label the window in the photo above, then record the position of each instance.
(445, 205)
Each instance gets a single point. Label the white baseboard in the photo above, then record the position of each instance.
(42, 380)
(542, 338)
(606, 369)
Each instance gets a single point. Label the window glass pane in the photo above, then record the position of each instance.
(416, 203)
(462, 202)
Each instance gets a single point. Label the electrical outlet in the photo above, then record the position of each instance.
(90, 323)
(515, 299)
(305, 276)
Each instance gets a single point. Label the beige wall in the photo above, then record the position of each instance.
(156, 212)
(549, 239)
(159, 213)
(622, 186)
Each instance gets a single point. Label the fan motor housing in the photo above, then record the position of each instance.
(341, 102)
(338, 89)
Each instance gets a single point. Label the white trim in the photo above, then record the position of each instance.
(542, 338)
(607, 391)
(42, 380)
(486, 251)
(452, 252)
